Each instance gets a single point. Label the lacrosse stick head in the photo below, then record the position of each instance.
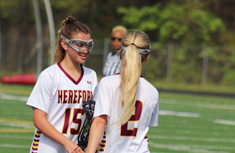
(88, 108)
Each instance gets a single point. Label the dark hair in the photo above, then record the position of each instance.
(68, 28)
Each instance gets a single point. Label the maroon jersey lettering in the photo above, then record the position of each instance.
(125, 131)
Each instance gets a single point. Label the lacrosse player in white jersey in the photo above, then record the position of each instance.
(126, 104)
(113, 62)
(60, 91)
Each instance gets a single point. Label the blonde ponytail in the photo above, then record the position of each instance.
(130, 74)
(136, 47)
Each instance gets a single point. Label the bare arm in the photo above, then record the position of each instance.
(96, 131)
(41, 122)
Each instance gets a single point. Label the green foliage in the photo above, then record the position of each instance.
(184, 23)
(228, 78)
(229, 59)
(15, 11)
(65, 8)
(155, 68)
(143, 19)
(181, 23)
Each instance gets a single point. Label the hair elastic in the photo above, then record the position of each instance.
(133, 44)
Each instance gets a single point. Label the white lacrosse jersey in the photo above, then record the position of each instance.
(61, 97)
(130, 137)
(112, 65)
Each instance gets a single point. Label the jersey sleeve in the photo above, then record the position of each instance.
(102, 99)
(155, 112)
(41, 95)
(95, 87)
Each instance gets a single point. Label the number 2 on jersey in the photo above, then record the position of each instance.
(75, 120)
(134, 118)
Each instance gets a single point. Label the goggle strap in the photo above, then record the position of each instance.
(64, 38)
(141, 51)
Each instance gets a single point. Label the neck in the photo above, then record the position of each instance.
(71, 67)
(115, 50)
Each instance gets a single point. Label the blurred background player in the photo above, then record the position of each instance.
(60, 91)
(126, 104)
(113, 62)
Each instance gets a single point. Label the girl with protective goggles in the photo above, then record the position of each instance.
(60, 91)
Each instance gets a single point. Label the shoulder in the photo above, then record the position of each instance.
(109, 54)
(113, 55)
(109, 84)
(90, 75)
(88, 71)
(48, 72)
(148, 86)
(48, 75)
(111, 78)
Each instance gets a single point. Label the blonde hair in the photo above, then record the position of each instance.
(69, 27)
(120, 28)
(130, 71)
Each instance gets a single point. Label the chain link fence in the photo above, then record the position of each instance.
(168, 62)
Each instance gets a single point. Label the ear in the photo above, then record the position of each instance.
(64, 45)
(147, 58)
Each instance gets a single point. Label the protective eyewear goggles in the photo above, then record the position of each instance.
(114, 38)
(78, 44)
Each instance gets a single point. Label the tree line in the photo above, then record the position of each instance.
(205, 24)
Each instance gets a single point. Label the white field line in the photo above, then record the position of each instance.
(26, 125)
(191, 138)
(193, 148)
(15, 137)
(11, 97)
(189, 130)
(14, 146)
(180, 114)
(17, 125)
(15, 121)
(225, 122)
(200, 104)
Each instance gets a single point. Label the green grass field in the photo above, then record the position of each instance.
(187, 123)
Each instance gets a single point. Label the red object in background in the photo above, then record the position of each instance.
(29, 79)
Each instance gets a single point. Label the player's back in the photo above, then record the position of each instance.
(130, 137)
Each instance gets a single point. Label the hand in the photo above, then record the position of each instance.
(71, 147)
(78, 150)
